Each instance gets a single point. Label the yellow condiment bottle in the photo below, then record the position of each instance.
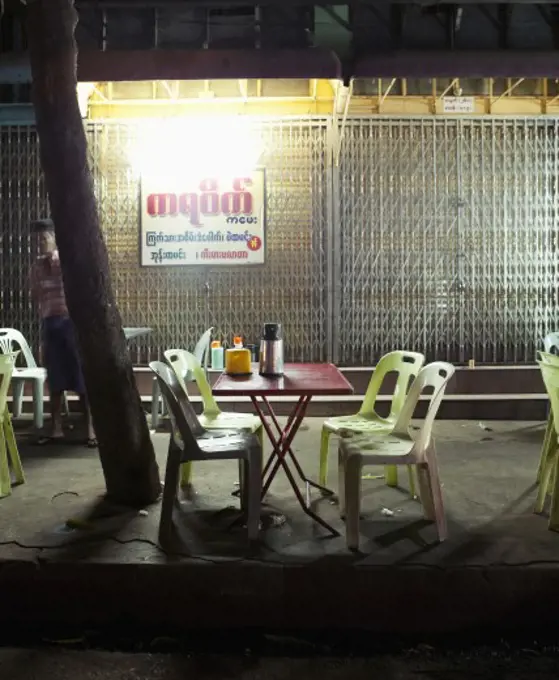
(238, 359)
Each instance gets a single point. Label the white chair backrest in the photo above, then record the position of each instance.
(435, 375)
(551, 343)
(14, 340)
(202, 349)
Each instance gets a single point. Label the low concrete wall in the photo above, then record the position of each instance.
(485, 392)
(204, 594)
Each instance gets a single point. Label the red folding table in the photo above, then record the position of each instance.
(299, 380)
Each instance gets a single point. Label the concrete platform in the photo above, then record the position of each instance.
(499, 568)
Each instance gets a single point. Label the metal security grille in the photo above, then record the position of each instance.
(434, 234)
(180, 303)
(448, 238)
(508, 229)
(23, 199)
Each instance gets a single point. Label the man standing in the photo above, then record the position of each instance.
(60, 352)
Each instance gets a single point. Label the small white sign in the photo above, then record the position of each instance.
(458, 105)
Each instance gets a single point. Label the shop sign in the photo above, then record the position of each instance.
(208, 222)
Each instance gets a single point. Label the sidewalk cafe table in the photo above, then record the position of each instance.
(299, 380)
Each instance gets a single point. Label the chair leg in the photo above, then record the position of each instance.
(17, 395)
(186, 475)
(547, 446)
(253, 483)
(391, 475)
(12, 450)
(353, 466)
(170, 491)
(438, 503)
(243, 476)
(5, 483)
(411, 478)
(546, 473)
(425, 493)
(431, 496)
(341, 483)
(155, 401)
(323, 468)
(38, 403)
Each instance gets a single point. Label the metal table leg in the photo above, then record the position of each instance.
(281, 448)
(304, 478)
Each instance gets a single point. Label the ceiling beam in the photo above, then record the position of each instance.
(134, 65)
(458, 64)
(130, 65)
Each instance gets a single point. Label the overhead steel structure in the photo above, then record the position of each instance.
(210, 39)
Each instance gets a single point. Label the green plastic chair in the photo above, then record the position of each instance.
(202, 353)
(548, 478)
(184, 365)
(549, 437)
(8, 447)
(407, 365)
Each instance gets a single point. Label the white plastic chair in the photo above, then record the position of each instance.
(551, 343)
(400, 447)
(11, 340)
(190, 441)
(202, 353)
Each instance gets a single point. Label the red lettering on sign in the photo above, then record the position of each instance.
(209, 201)
(162, 204)
(235, 203)
(188, 205)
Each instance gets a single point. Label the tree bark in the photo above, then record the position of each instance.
(125, 448)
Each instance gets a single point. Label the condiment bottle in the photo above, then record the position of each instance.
(238, 359)
(217, 355)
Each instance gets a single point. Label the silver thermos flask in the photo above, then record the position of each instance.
(271, 350)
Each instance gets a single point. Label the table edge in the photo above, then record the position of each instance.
(289, 392)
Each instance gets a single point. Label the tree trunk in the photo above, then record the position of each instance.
(126, 451)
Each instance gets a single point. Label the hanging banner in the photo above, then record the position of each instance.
(209, 221)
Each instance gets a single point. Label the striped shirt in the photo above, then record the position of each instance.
(47, 287)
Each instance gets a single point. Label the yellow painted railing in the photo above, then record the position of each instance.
(322, 97)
